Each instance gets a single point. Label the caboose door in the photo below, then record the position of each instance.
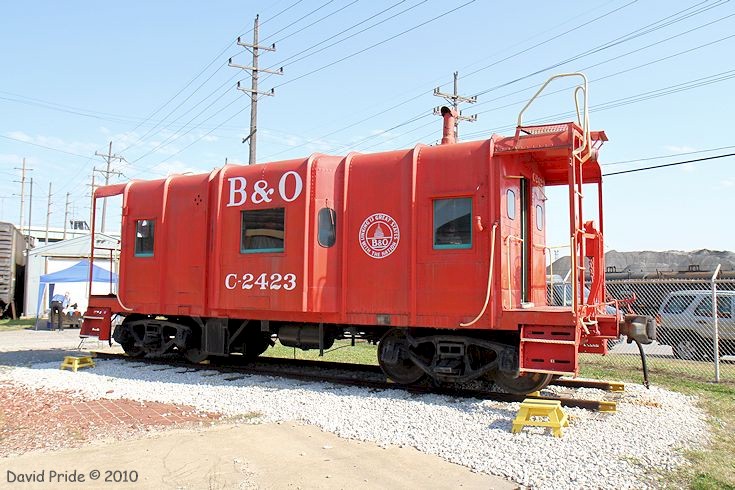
(522, 234)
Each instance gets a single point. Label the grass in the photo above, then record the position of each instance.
(712, 468)
(7, 325)
(341, 351)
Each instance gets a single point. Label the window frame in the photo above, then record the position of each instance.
(332, 230)
(137, 252)
(243, 230)
(451, 246)
(684, 300)
(540, 217)
(508, 200)
(704, 307)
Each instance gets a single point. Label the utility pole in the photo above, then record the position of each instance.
(66, 214)
(91, 206)
(454, 99)
(48, 212)
(30, 207)
(253, 90)
(108, 158)
(22, 183)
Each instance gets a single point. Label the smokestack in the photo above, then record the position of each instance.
(450, 117)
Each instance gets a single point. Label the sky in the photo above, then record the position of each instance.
(358, 75)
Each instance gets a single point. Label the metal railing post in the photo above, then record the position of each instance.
(716, 324)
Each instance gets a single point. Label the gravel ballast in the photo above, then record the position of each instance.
(649, 432)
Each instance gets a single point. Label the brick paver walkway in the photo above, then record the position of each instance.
(40, 419)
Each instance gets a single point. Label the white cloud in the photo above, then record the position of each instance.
(291, 140)
(383, 133)
(19, 135)
(727, 184)
(11, 160)
(77, 147)
(176, 167)
(679, 149)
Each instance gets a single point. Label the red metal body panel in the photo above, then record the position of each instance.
(197, 267)
(384, 268)
(97, 323)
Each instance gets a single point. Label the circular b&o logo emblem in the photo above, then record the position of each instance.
(379, 235)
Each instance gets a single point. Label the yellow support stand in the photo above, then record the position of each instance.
(615, 386)
(606, 406)
(548, 410)
(74, 362)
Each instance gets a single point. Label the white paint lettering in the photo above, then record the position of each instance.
(237, 190)
(231, 279)
(299, 186)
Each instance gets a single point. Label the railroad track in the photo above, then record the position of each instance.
(318, 372)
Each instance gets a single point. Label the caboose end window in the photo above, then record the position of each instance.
(453, 223)
(262, 230)
(144, 238)
(327, 227)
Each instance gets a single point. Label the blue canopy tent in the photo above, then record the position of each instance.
(79, 272)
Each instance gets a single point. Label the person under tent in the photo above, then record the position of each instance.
(59, 303)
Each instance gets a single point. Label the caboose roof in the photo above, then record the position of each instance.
(549, 147)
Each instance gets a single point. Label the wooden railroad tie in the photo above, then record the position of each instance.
(547, 413)
(76, 362)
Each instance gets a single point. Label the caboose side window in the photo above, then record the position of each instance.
(144, 238)
(262, 230)
(327, 234)
(511, 204)
(539, 217)
(453, 223)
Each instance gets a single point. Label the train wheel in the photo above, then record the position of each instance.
(394, 360)
(523, 384)
(195, 356)
(256, 345)
(131, 350)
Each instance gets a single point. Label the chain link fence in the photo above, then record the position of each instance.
(693, 342)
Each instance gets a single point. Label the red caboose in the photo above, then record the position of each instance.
(438, 253)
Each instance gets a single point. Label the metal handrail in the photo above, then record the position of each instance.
(490, 273)
(583, 120)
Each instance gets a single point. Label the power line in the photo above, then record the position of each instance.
(722, 76)
(151, 132)
(176, 136)
(649, 63)
(549, 39)
(347, 57)
(667, 156)
(217, 57)
(665, 21)
(44, 146)
(421, 94)
(288, 61)
(669, 164)
(680, 87)
(201, 137)
(280, 40)
(298, 20)
(647, 29)
(444, 14)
